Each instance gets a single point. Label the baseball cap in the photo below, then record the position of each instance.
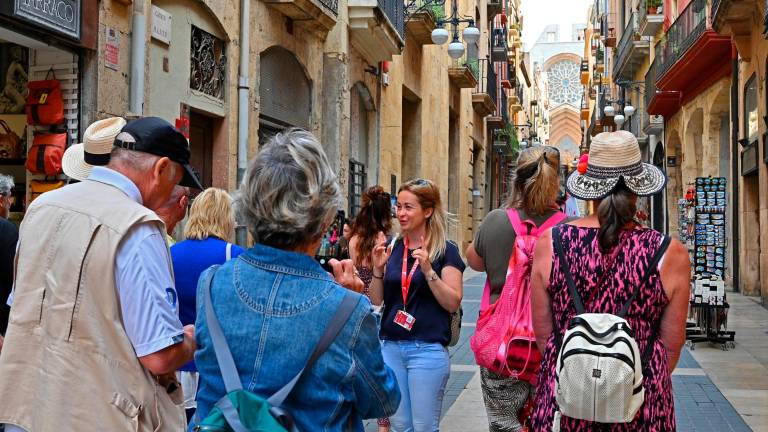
(156, 136)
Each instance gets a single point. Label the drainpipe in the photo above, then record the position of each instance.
(242, 90)
(138, 56)
(735, 174)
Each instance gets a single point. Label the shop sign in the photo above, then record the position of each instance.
(62, 16)
(749, 159)
(112, 49)
(161, 25)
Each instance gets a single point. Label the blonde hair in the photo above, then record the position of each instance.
(429, 198)
(537, 182)
(211, 215)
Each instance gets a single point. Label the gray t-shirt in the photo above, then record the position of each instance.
(494, 241)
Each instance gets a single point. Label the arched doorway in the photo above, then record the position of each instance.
(657, 202)
(363, 151)
(285, 93)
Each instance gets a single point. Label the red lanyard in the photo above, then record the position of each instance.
(406, 277)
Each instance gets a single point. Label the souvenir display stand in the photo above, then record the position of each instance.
(708, 305)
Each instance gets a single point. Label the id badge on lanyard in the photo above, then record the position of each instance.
(403, 318)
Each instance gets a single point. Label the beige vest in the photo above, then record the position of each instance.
(67, 363)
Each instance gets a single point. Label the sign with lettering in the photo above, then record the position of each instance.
(62, 16)
(112, 49)
(161, 25)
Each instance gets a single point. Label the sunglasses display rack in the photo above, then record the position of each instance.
(709, 308)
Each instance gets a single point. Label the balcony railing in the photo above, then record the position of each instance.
(491, 81)
(502, 110)
(688, 27)
(519, 92)
(645, 5)
(394, 11)
(499, 43)
(437, 10)
(626, 45)
(650, 83)
(608, 29)
(715, 8)
(331, 5)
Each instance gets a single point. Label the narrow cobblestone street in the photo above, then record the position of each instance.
(710, 394)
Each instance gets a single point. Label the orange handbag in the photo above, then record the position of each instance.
(45, 154)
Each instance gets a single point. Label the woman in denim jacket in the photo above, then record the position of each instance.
(275, 301)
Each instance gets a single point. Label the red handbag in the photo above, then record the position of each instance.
(45, 105)
(45, 155)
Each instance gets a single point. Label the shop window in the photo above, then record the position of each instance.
(750, 110)
(357, 185)
(207, 63)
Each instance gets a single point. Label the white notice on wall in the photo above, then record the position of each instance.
(161, 25)
(112, 49)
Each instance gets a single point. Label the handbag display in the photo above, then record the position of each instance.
(10, 143)
(45, 154)
(504, 341)
(45, 104)
(39, 187)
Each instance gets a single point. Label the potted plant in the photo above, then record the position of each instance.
(652, 6)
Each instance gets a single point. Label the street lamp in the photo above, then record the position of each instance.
(440, 36)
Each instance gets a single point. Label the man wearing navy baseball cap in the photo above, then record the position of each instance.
(156, 136)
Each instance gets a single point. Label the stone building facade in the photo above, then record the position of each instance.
(387, 104)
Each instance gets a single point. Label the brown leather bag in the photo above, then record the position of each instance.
(10, 143)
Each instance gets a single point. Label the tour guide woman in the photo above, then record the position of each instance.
(419, 279)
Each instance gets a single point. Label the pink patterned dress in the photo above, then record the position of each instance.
(587, 265)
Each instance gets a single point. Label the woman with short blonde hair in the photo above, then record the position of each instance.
(211, 215)
(208, 232)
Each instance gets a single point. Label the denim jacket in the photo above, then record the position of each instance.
(274, 306)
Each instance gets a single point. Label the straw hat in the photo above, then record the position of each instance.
(97, 144)
(615, 156)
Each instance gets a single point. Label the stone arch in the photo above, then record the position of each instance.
(565, 122)
(692, 146)
(717, 132)
(560, 57)
(285, 90)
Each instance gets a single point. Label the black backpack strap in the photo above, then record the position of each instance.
(648, 272)
(566, 269)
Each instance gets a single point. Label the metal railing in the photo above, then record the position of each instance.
(502, 110)
(650, 83)
(482, 76)
(627, 42)
(491, 82)
(394, 10)
(331, 5)
(642, 12)
(686, 30)
(437, 10)
(715, 9)
(608, 26)
(519, 91)
(499, 38)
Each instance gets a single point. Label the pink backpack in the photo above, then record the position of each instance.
(504, 341)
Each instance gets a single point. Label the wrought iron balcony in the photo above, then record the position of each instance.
(484, 94)
(658, 103)
(464, 72)
(651, 17)
(608, 29)
(584, 72)
(376, 28)
(633, 49)
(499, 43)
(690, 47)
(421, 19)
(320, 14)
(516, 99)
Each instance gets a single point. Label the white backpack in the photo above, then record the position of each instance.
(599, 369)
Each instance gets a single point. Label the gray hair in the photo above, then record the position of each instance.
(289, 193)
(6, 184)
(137, 160)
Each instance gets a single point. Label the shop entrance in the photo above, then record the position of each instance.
(24, 60)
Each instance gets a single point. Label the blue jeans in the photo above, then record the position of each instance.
(422, 371)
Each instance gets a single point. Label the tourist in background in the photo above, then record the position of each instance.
(602, 253)
(9, 235)
(419, 280)
(535, 191)
(275, 301)
(372, 225)
(173, 211)
(208, 235)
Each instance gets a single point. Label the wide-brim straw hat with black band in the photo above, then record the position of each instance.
(614, 157)
(95, 149)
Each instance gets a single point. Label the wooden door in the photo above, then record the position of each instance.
(201, 146)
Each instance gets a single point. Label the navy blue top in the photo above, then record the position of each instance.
(433, 323)
(190, 258)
